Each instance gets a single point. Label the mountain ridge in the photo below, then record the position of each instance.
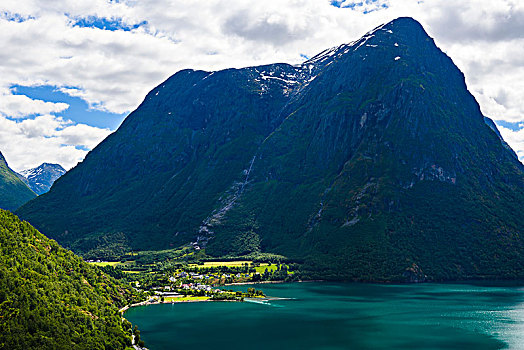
(324, 162)
(13, 191)
(41, 178)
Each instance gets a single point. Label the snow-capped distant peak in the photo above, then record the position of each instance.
(41, 178)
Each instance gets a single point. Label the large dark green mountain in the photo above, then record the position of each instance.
(369, 161)
(52, 299)
(13, 191)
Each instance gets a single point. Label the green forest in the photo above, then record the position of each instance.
(51, 299)
(13, 191)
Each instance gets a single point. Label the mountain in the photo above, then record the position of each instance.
(370, 161)
(41, 178)
(13, 192)
(52, 299)
(493, 127)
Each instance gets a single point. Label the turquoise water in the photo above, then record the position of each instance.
(343, 316)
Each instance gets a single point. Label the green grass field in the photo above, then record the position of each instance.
(222, 263)
(106, 263)
(237, 263)
(264, 266)
(188, 298)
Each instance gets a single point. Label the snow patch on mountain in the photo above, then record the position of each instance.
(41, 178)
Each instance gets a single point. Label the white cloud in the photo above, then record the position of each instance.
(17, 106)
(26, 144)
(515, 138)
(83, 135)
(113, 70)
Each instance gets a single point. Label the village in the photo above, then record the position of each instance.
(208, 284)
(196, 282)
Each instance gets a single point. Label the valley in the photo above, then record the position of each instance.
(189, 277)
(367, 170)
(366, 162)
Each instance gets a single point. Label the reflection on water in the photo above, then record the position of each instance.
(344, 316)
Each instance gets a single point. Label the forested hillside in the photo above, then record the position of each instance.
(13, 191)
(51, 299)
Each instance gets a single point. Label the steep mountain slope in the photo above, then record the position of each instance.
(52, 299)
(13, 191)
(41, 178)
(369, 161)
(167, 166)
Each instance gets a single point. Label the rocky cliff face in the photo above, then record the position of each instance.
(366, 159)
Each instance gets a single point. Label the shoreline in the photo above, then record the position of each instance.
(271, 282)
(246, 283)
(156, 302)
(146, 303)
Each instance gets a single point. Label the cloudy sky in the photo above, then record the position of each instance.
(71, 70)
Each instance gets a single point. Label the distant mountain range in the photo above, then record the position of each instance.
(41, 178)
(370, 161)
(13, 191)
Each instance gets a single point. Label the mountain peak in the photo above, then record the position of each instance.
(367, 157)
(401, 36)
(402, 24)
(405, 21)
(41, 178)
(402, 27)
(52, 165)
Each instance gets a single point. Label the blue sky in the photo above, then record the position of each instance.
(110, 24)
(73, 71)
(78, 111)
(364, 6)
